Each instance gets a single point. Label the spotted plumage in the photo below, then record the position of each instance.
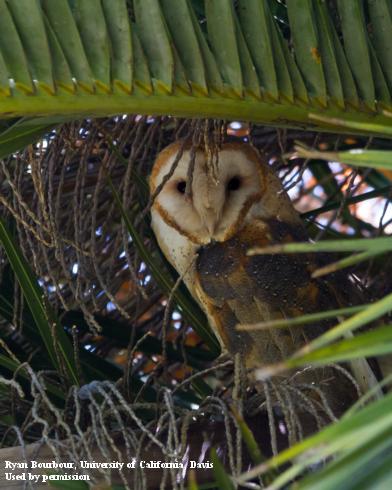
(239, 289)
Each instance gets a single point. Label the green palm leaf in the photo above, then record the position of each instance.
(57, 344)
(350, 440)
(91, 57)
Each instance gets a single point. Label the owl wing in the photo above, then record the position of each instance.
(236, 288)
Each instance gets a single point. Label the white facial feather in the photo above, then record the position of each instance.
(214, 206)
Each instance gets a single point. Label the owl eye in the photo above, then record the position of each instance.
(181, 186)
(234, 184)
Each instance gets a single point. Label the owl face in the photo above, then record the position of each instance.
(216, 208)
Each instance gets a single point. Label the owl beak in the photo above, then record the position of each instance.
(210, 221)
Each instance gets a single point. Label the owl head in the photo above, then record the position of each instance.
(244, 188)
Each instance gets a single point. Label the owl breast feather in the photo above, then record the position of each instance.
(242, 289)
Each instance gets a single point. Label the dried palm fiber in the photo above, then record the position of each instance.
(67, 221)
(100, 425)
(71, 231)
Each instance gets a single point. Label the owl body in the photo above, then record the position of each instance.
(206, 234)
(206, 238)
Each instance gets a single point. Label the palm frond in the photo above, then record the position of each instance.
(88, 57)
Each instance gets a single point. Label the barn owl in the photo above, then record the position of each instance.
(206, 233)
